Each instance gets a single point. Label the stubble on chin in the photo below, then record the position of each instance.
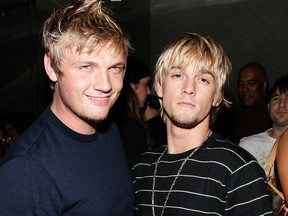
(91, 118)
(183, 122)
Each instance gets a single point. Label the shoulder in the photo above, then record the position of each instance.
(284, 135)
(24, 168)
(151, 155)
(148, 158)
(227, 153)
(256, 139)
(29, 137)
(25, 183)
(282, 141)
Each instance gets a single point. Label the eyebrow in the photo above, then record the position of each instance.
(205, 71)
(275, 94)
(241, 80)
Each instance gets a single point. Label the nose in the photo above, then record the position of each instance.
(102, 81)
(148, 90)
(189, 87)
(245, 86)
(283, 102)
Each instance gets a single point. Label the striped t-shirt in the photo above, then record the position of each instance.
(219, 179)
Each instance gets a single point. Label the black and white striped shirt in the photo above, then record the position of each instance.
(219, 179)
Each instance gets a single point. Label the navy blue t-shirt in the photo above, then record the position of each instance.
(52, 170)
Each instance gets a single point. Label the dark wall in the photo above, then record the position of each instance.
(249, 30)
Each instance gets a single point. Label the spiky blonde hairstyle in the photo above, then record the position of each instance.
(84, 24)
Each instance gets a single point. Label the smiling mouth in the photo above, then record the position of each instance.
(98, 98)
(103, 101)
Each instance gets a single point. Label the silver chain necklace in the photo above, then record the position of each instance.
(175, 178)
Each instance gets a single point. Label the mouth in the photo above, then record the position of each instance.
(186, 104)
(282, 112)
(245, 97)
(99, 100)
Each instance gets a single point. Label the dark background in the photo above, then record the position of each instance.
(249, 30)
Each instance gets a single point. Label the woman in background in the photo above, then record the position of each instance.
(128, 110)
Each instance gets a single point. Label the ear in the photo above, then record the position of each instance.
(49, 69)
(217, 100)
(133, 86)
(159, 90)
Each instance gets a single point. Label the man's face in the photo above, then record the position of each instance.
(251, 86)
(188, 95)
(278, 109)
(89, 85)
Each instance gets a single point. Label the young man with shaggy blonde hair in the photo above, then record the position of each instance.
(198, 172)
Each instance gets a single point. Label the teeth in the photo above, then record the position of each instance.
(97, 98)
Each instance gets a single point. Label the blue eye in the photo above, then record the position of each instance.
(117, 69)
(86, 66)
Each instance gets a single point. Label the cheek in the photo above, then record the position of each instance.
(76, 80)
(116, 82)
(141, 91)
(69, 82)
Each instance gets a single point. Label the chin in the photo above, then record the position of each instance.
(94, 117)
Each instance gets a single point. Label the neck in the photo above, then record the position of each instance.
(276, 131)
(71, 120)
(181, 139)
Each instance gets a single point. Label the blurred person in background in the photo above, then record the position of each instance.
(252, 116)
(260, 144)
(128, 110)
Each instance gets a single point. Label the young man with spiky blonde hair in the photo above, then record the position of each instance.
(70, 162)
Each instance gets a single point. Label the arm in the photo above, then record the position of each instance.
(26, 189)
(247, 193)
(282, 163)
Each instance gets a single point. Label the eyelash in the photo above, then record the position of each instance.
(119, 69)
(177, 75)
(86, 66)
(204, 80)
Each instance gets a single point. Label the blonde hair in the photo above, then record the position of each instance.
(202, 51)
(84, 24)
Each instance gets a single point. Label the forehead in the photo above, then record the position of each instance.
(250, 73)
(96, 46)
(90, 51)
(285, 92)
(192, 66)
(144, 79)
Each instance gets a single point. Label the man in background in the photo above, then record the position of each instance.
(253, 116)
(260, 144)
